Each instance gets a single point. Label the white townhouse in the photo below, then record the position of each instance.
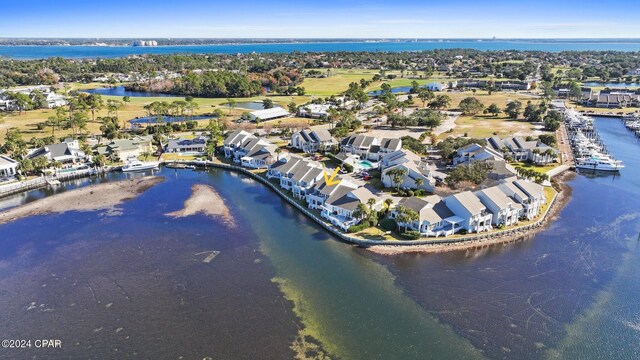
(466, 205)
(505, 210)
(8, 167)
(529, 194)
(312, 141)
(475, 152)
(434, 217)
(248, 150)
(414, 168)
(369, 147)
(321, 192)
(534, 151)
(340, 205)
(233, 140)
(296, 174)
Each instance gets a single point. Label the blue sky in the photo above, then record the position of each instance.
(324, 19)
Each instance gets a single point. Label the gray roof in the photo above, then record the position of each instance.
(322, 135)
(340, 198)
(499, 198)
(530, 188)
(470, 202)
(5, 160)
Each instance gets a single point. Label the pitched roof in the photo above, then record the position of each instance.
(499, 198)
(530, 188)
(469, 201)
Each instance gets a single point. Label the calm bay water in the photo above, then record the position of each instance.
(38, 52)
(121, 91)
(569, 292)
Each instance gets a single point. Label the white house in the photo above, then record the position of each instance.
(296, 174)
(475, 152)
(506, 210)
(234, 140)
(414, 169)
(248, 150)
(315, 110)
(369, 147)
(466, 205)
(534, 151)
(529, 194)
(339, 207)
(8, 167)
(65, 152)
(312, 141)
(124, 149)
(196, 144)
(434, 217)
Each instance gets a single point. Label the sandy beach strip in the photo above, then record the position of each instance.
(205, 200)
(563, 198)
(90, 198)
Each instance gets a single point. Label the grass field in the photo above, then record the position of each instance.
(28, 121)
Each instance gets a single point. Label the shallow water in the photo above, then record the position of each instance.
(569, 292)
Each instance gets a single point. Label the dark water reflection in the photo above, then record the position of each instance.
(135, 286)
(517, 300)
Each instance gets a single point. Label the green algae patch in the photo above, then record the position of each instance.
(307, 345)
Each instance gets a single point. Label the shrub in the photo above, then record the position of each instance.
(420, 192)
(388, 224)
(410, 235)
(357, 228)
(410, 192)
(463, 232)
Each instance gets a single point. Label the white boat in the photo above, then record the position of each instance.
(136, 165)
(596, 163)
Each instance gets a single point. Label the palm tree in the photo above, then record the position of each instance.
(397, 176)
(361, 212)
(371, 202)
(419, 182)
(387, 203)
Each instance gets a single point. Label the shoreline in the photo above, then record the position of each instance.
(205, 200)
(562, 199)
(106, 196)
(436, 245)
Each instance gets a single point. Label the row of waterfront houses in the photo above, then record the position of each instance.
(495, 148)
(500, 205)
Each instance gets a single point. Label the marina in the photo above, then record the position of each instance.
(590, 152)
(632, 122)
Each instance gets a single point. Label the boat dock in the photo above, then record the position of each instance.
(588, 150)
(633, 124)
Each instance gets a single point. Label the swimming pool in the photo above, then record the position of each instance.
(364, 164)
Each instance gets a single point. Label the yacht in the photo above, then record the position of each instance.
(597, 163)
(137, 165)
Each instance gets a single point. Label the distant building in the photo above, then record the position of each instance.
(268, 114)
(435, 86)
(315, 110)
